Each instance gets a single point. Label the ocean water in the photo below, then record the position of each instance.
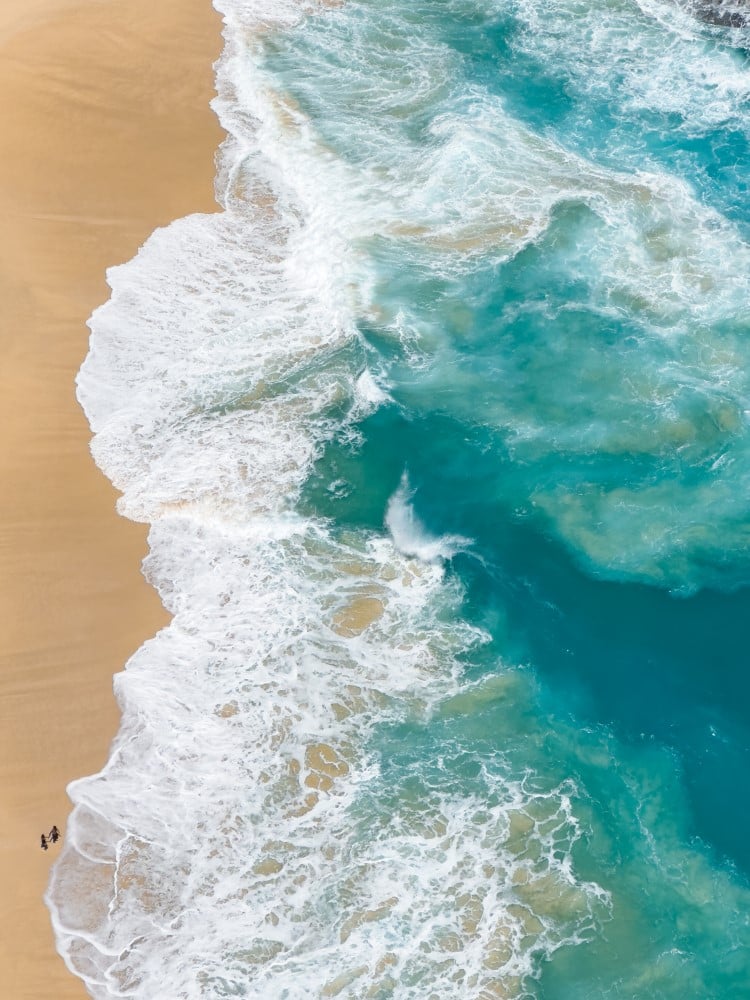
(442, 428)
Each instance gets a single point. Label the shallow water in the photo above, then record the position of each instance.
(442, 431)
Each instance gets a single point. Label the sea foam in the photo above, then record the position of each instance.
(234, 845)
(621, 370)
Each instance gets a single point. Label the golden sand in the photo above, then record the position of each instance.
(106, 133)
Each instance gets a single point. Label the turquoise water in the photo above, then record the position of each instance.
(442, 427)
(634, 680)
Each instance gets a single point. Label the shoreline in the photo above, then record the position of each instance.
(107, 135)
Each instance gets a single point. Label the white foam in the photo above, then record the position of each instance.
(225, 843)
(478, 186)
(218, 852)
(371, 394)
(655, 49)
(409, 534)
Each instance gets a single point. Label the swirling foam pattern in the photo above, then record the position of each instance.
(460, 367)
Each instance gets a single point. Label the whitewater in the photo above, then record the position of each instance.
(441, 430)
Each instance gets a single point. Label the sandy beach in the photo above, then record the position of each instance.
(106, 135)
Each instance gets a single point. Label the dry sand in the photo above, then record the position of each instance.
(106, 133)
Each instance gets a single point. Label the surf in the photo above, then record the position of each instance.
(340, 769)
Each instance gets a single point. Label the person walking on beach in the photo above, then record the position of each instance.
(54, 835)
(45, 845)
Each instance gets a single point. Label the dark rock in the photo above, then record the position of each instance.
(724, 13)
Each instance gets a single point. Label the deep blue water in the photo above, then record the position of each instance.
(537, 385)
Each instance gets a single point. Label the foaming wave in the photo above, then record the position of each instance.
(219, 851)
(631, 387)
(656, 50)
(409, 534)
(240, 841)
(223, 808)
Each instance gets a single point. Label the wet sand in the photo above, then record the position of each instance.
(106, 135)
